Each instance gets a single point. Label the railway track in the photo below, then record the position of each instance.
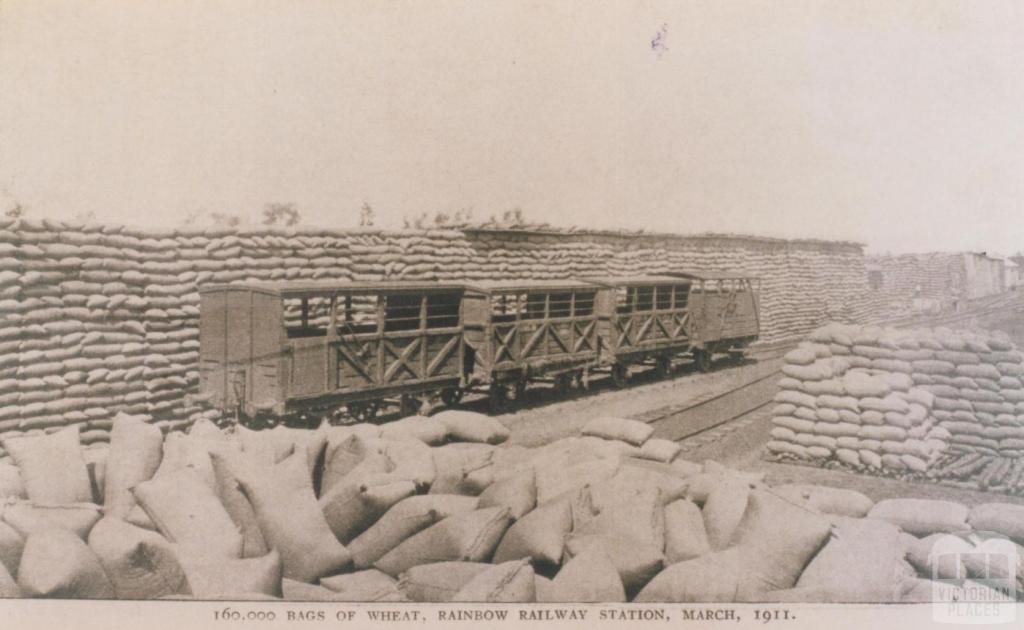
(678, 422)
(684, 421)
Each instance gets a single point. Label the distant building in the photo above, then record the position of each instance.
(944, 277)
(1013, 271)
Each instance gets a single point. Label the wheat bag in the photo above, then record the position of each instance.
(11, 485)
(838, 501)
(506, 583)
(12, 543)
(136, 449)
(52, 467)
(227, 467)
(589, 577)
(631, 431)
(412, 460)
(724, 509)
(517, 492)
(356, 502)
(234, 578)
(186, 511)
(539, 535)
(407, 517)
(140, 564)
(710, 578)
(922, 517)
(776, 539)
(344, 455)
(291, 521)
(364, 586)
(458, 467)
(427, 430)
(58, 564)
(28, 517)
(685, 536)
(469, 537)
(635, 563)
(468, 426)
(1003, 518)
(439, 581)
(8, 586)
(863, 562)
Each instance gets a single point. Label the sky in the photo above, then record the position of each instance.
(896, 124)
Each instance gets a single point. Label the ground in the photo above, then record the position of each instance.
(738, 442)
(545, 420)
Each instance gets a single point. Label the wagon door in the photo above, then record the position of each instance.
(704, 326)
(307, 346)
(358, 342)
(740, 312)
(570, 324)
(266, 336)
(213, 347)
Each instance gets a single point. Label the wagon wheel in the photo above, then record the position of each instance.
(497, 397)
(563, 383)
(663, 367)
(519, 389)
(703, 359)
(364, 411)
(451, 396)
(580, 380)
(410, 405)
(620, 375)
(308, 420)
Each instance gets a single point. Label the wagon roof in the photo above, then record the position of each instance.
(312, 288)
(638, 280)
(498, 286)
(710, 275)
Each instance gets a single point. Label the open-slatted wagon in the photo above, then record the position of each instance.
(275, 349)
(724, 313)
(643, 320)
(518, 331)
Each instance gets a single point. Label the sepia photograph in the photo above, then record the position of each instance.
(511, 314)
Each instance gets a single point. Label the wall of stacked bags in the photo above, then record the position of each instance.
(438, 510)
(899, 400)
(100, 319)
(938, 275)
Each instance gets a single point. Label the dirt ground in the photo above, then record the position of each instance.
(545, 419)
(739, 443)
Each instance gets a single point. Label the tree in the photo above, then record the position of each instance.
(366, 215)
(513, 217)
(280, 214)
(16, 211)
(222, 219)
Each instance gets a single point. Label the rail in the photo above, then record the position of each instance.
(663, 417)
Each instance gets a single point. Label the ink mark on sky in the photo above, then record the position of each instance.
(659, 43)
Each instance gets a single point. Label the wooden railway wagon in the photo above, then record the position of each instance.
(643, 319)
(516, 331)
(652, 319)
(272, 349)
(724, 313)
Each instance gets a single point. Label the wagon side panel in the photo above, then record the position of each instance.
(239, 350)
(267, 334)
(213, 348)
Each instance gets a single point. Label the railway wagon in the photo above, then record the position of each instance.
(652, 319)
(517, 331)
(274, 348)
(724, 313)
(643, 319)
